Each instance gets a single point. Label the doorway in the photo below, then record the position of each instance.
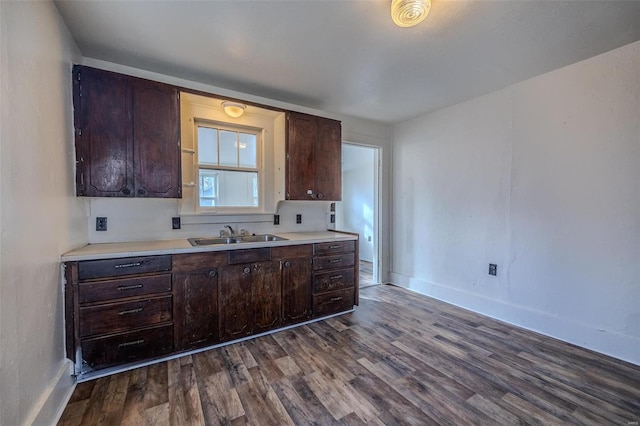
(359, 210)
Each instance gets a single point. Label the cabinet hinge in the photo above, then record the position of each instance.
(78, 132)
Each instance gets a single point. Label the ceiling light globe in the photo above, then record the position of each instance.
(407, 13)
(233, 109)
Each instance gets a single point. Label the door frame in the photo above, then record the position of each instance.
(377, 226)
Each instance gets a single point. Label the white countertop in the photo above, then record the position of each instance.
(150, 248)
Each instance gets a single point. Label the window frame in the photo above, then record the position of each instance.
(259, 169)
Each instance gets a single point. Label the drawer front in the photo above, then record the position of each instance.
(249, 255)
(128, 347)
(126, 287)
(198, 261)
(118, 317)
(334, 247)
(334, 280)
(291, 252)
(90, 269)
(333, 262)
(332, 303)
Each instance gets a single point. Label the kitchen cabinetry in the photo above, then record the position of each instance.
(314, 158)
(125, 310)
(127, 136)
(195, 292)
(296, 266)
(250, 294)
(121, 310)
(335, 277)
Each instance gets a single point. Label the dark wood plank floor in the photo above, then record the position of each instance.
(400, 358)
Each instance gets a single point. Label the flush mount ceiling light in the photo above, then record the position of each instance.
(407, 13)
(233, 109)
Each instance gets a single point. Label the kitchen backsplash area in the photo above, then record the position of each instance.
(151, 219)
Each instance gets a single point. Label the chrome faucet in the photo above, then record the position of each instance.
(232, 233)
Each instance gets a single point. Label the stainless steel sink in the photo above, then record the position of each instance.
(235, 240)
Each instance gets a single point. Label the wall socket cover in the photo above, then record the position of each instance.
(101, 223)
(298, 218)
(175, 223)
(493, 269)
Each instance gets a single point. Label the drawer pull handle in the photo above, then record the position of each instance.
(335, 299)
(130, 311)
(128, 265)
(335, 261)
(335, 247)
(335, 277)
(129, 287)
(133, 343)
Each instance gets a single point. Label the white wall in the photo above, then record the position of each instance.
(542, 178)
(39, 216)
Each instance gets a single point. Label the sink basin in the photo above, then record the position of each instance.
(235, 240)
(260, 238)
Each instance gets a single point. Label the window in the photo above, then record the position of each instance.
(229, 170)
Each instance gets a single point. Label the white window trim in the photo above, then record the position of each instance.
(200, 210)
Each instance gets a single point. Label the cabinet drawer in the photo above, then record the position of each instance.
(249, 255)
(98, 291)
(90, 269)
(291, 252)
(198, 261)
(334, 247)
(334, 280)
(332, 303)
(117, 317)
(128, 347)
(332, 262)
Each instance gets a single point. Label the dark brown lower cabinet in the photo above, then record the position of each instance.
(126, 310)
(195, 295)
(250, 299)
(196, 309)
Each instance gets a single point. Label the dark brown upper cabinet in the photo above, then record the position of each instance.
(314, 158)
(127, 136)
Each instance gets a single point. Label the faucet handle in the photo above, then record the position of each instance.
(244, 232)
(223, 233)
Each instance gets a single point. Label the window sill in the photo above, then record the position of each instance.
(224, 217)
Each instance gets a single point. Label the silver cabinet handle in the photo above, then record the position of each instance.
(128, 265)
(130, 311)
(133, 343)
(335, 277)
(335, 299)
(129, 287)
(335, 261)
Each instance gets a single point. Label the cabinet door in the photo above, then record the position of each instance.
(267, 296)
(156, 128)
(302, 134)
(196, 309)
(236, 315)
(296, 290)
(328, 160)
(104, 144)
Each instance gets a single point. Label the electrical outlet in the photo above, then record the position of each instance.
(493, 269)
(101, 223)
(298, 218)
(276, 219)
(332, 207)
(175, 223)
(333, 218)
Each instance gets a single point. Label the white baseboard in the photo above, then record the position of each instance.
(54, 400)
(623, 347)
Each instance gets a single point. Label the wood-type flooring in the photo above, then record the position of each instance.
(400, 358)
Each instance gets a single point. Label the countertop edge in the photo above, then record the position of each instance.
(181, 246)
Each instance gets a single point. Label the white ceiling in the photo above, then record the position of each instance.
(348, 57)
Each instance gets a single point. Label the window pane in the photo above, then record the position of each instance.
(229, 188)
(228, 148)
(248, 152)
(208, 181)
(207, 146)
